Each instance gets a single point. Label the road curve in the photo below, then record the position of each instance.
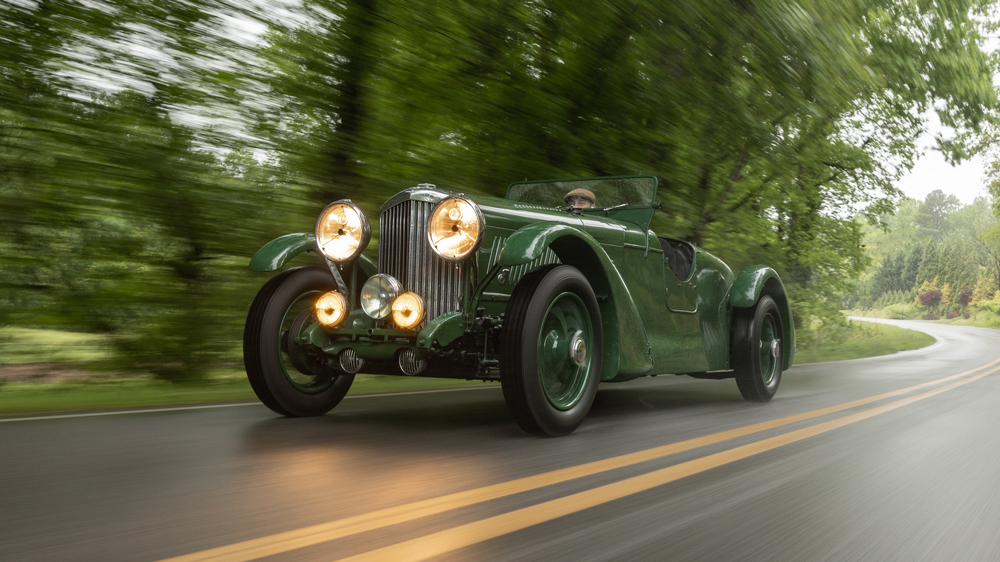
(888, 458)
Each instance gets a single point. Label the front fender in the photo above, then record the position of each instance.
(276, 253)
(627, 353)
(758, 280)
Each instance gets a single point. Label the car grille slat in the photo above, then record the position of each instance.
(405, 253)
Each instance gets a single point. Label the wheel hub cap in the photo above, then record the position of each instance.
(774, 348)
(578, 349)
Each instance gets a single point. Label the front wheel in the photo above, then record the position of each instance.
(551, 346)
(757, 350)
(289, 379)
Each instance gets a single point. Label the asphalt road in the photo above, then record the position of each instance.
(871, 459)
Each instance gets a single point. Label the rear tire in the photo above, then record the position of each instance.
(551, 346)
(758, 350)
(285, 379)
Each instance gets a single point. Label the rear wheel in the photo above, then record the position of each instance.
(551, 346)
(757, 350)
(290, 379)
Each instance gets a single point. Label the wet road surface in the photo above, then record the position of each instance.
(889, 458)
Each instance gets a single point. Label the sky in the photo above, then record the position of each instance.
(965, 181)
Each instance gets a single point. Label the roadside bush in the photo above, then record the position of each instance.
(951, 314)
(930, 298)
(989, 306)
(965, 296)
(929, 316)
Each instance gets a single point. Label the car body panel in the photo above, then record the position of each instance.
(276, 253)
(627, 350)
(756, 280)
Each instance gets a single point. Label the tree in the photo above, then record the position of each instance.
(983, 291)
(930, 264)
(912, 268)
(933, 215)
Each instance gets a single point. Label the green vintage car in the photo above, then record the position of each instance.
(548, 294)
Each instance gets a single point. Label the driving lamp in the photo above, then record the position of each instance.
(456, 228)
(331, 309)
(407, 311)
(342, 231)
(378, 294)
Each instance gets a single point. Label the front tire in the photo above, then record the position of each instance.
(289, 380)
(758, 350)
(551, 346)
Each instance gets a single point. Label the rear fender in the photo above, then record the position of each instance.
(276, 253)
(626, 348)
(758, 280)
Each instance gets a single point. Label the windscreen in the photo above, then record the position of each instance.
(633, 191)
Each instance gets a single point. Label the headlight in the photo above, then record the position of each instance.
(331, 309)
(456, 228)
(407, 311)
(342, 231)
(378, 294)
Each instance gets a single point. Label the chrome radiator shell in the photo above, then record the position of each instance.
(405, 253)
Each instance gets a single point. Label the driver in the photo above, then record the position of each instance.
(581, 198)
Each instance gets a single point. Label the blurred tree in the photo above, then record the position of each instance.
(147, 148)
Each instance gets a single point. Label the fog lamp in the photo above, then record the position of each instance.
(407, 311)
(378, 294)
(455, 228)
(342, 231)
(331, 309)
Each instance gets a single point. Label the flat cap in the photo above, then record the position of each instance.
(580, 192)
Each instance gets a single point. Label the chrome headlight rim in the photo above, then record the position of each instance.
(396, 287)
(366, 230)
(479, 235)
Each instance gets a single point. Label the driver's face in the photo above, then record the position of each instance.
(581, 202)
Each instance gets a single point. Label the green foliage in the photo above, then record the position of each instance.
(22, 345)
(962, 257)
(990, 306)
(148, 148)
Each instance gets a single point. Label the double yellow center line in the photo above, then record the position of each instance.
(468, 534)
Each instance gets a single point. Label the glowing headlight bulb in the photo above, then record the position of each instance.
(342, 231)
(407, 311)
(455, 228)
(331, 309)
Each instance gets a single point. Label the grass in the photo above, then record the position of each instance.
(865, 340)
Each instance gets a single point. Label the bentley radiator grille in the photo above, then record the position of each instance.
(405, 253)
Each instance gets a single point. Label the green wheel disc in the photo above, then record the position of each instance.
(768, 337)
(564, 351)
